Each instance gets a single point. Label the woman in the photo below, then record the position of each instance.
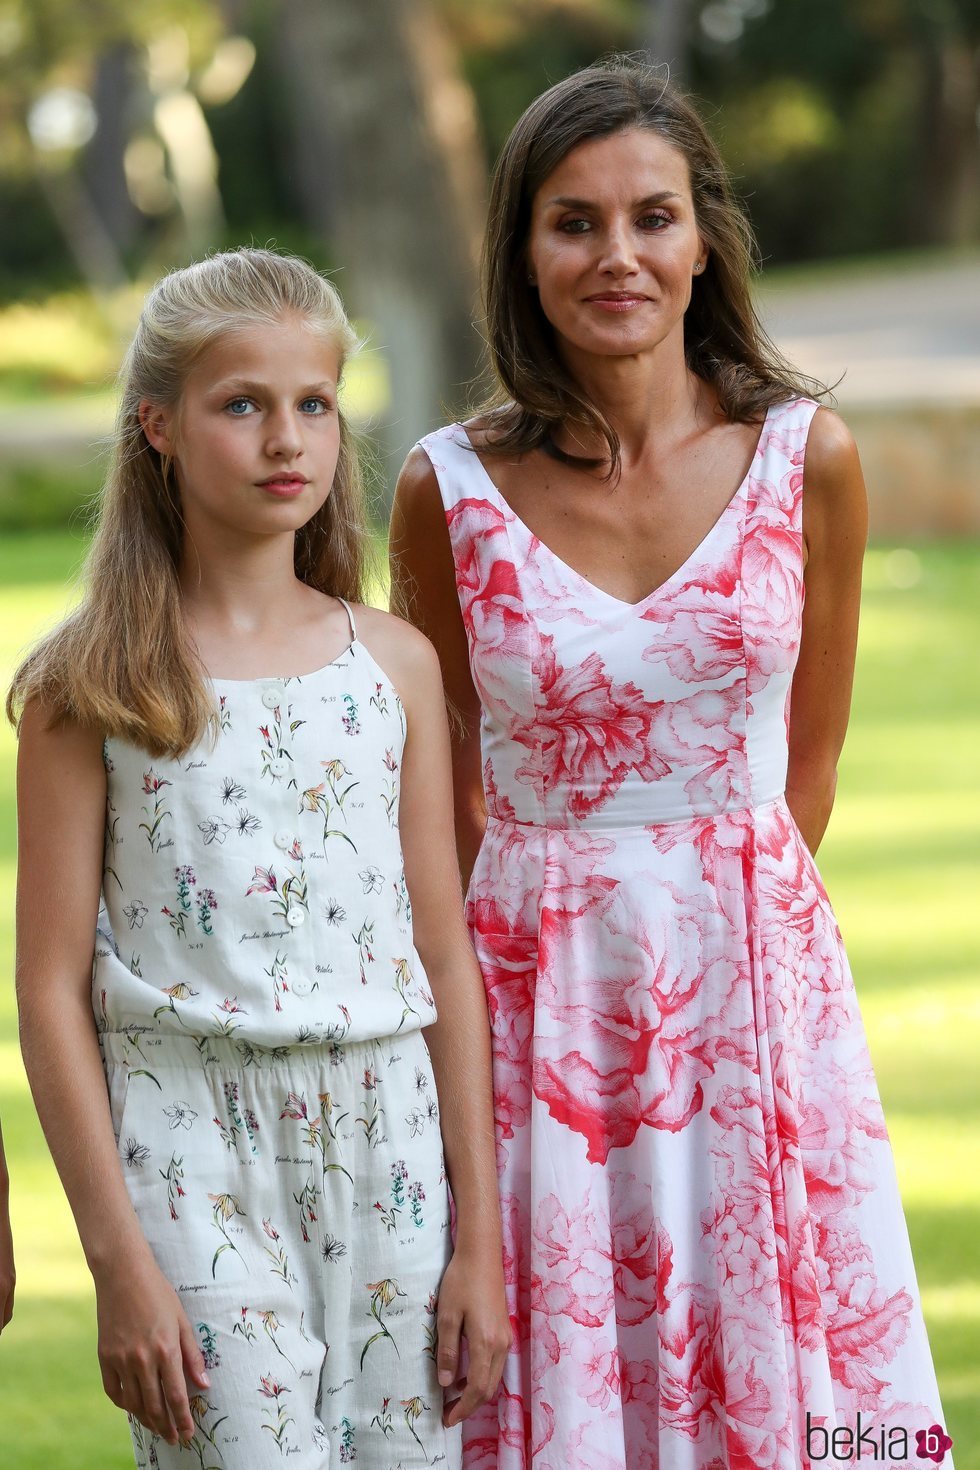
(707, 1261)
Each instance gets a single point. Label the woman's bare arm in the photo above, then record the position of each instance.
(145, 1341)
(471, 1299)
(835, 530)
(7, 1273)
(423, 590)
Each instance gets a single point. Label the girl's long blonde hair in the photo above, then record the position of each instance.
(122, 662)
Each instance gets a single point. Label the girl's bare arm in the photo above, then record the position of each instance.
(835, 529)
(145, 1341)
(471, 1300)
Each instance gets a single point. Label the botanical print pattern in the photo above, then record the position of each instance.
(240, 858)
(260, 1098)
(703, 1236)
(271, 1244)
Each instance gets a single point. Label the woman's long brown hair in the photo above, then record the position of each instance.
(122, 663)
(724, 341)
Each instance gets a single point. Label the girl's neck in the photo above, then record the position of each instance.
(237, 584)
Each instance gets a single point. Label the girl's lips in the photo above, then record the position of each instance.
(284, 489)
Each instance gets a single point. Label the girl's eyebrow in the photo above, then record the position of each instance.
(565, 203)
(245, 385)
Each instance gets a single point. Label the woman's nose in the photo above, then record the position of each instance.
(618, 254)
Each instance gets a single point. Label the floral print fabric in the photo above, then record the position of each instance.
(705, 1250)
(255, 888)
(298, 1206)
(259, 1004)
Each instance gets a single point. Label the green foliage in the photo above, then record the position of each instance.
(39, 495)
(839, 119)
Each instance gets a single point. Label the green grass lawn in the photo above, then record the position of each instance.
(901, 864)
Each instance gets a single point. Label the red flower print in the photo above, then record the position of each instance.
(702, 1239)
(508, 961)
(575, 1277)
(588, 734)
(628, 1052)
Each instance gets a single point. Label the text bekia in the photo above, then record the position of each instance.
(868, 1442)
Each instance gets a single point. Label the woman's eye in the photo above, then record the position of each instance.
(573, 226)
(654, 221)
(314, 406)
(239, 407)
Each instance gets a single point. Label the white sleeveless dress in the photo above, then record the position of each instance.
(260, 1002)
(707, 1261)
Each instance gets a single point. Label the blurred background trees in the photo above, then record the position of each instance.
(134, 137)
(158, 131)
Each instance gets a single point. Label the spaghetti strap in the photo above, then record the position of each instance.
(350, 619)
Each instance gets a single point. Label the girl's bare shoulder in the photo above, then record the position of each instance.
(405, 654)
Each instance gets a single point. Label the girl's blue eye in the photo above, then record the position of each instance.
(238, 407)
(320, 405)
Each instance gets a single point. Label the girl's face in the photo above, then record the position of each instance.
(613, 245)
(256, 433)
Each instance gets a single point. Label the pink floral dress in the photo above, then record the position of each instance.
(706, 1255)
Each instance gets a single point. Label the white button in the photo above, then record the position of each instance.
(272, 696)
(295, 917)
(278, 768)
(283, 840)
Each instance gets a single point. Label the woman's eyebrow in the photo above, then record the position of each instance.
(564, 202)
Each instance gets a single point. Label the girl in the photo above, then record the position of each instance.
(707, 1260)
(255, 774)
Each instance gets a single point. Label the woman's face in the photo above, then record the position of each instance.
(613, 246)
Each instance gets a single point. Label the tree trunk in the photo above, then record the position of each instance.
(390, 163)
(102, 165)
(664, 33)
(956, 146)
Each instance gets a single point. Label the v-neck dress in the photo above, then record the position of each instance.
(707, 1261)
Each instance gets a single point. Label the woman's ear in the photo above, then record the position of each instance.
(156, 425)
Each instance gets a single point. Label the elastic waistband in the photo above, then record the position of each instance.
(153, 1051)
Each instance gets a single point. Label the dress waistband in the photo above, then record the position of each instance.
(154, 1051)
(622, 821)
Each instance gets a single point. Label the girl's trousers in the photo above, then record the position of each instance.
(296, 1200)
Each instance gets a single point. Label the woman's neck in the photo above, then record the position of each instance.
(647, 399)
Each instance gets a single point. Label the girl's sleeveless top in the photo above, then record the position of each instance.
(255, 888)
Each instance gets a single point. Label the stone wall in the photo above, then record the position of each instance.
(922, 466)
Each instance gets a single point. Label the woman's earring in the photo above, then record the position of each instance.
(698, 264)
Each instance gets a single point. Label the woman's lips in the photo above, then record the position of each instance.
(617, 303)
